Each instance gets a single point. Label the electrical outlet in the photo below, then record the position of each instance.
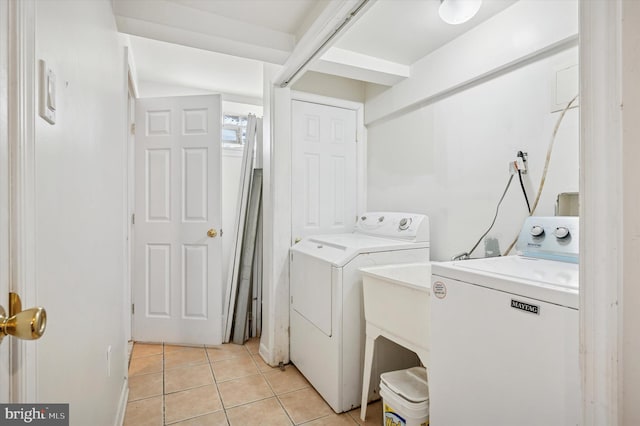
(519, 164)
(521, 161)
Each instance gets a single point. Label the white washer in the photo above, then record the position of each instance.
(504, 333)
(327, 327)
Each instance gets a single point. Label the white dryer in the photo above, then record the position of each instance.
(504, 333)
(327, 327)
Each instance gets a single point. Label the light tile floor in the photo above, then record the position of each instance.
(224, 385)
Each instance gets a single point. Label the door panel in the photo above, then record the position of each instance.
(194, 181)
(324, 169)
(158, 189)
(178, 288)
(194, 281)
(158, 282)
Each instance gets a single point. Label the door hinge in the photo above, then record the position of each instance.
(133, 308)
(133, 218)
(133, 128)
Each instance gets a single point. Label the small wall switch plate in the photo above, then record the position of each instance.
(109, 361)
(47, 93)
(564, 86)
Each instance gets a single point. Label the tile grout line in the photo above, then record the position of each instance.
(307, 387)
(261, 373)
(215, 382)
(279, 401)
(274, 391)
(197, 387)
(271, 387)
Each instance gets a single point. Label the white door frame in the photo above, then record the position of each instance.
(129, 188)
(5, 368)
(21, 126)
(601, 211)
(274, 345)
(130, 202)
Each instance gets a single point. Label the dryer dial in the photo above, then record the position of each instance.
(537, 231)
(404, 224)
(561, 232)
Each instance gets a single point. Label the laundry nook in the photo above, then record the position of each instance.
(319, 212)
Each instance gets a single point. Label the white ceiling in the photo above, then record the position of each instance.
(279, 15)
(404, 31)
(219, 45)
(161, 63)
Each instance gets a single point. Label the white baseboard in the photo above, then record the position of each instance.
(268, 357)
(265, 353)
(122, 405)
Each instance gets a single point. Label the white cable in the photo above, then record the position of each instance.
(546, 167)
(466, 255)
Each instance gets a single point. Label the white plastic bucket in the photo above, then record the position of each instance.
(405, 397)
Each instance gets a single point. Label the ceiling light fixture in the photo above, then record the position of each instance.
(456, 12)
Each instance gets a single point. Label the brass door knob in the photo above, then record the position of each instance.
(212, 233)
(29, 324)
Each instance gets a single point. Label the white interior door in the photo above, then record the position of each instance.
(324, 169)
(178, 285)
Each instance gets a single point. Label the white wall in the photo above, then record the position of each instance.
(331, 86)
(449, 159)
(80, 218)
(152, 89)
(520, 32)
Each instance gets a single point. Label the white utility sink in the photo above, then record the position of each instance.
(396, 306)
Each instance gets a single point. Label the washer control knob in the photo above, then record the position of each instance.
(537, 231)
(561, 232)
(381, 218)
(404, 223)
(363, 218)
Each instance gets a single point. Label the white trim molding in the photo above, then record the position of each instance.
(122, 404)
(277, 232)
(5, 368)
(601, 211)
(22, 113)
(335, 19)
(629, 371)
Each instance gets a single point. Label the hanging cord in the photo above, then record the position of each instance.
(546, 167)
(466, 255)
(524, 191)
